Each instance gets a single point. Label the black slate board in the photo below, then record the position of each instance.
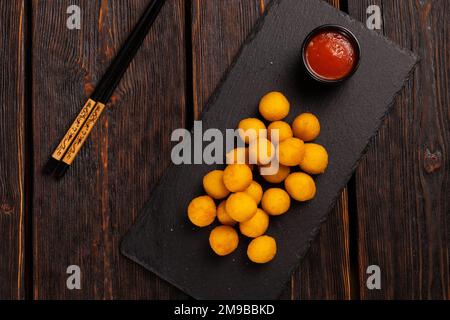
(163, 240)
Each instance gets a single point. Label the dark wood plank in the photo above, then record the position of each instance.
(403, 182)
(81, 219)
(218, 30)
(325, 272)
(12, 154)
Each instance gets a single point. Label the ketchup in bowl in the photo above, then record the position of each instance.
(331, 53)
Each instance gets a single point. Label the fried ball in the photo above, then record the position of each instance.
(262, 249)
(291, 151)
(255, 191)
(315, 160)
(223, 216)
(256, 226)
(251, 129)
(279, 176)
(237, 177)
(240, 206)
(238, 156)
(284, 130)
(261, 151)
(306, 127)
(202, 211)
(300, 186)
(275, 201)
(274, 106)
(214, 186)
(223, 240)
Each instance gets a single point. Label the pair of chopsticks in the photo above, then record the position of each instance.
(70, 145)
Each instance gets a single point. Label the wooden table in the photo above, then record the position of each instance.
(395, 212)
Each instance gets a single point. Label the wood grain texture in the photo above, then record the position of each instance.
(218, 30)
(325, 272)
(403, 182)
(12, 153)
(80, 219)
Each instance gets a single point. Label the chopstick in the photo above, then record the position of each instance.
(68, 148)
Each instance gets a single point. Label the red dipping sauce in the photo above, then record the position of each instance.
(331, 55)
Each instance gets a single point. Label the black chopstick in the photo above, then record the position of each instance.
(111, 78)
(68, 148)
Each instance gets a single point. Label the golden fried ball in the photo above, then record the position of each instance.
(202, 211)
(300, 186)
(261, 151)
(237, 177)
(251, 129)
(315, 160)
(223, 216)
(262, 249)
(284, 130)
(275, 201)
(256, 226)
(223, 240)
(214, 186)
(237, 156)
(291, 151)
(274, 106)
(306, 127)
(279, 176)
(255, 191)
(240, 206)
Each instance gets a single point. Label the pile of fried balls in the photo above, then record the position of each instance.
(240, 195)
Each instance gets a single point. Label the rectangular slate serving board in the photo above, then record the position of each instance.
(163, 240)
